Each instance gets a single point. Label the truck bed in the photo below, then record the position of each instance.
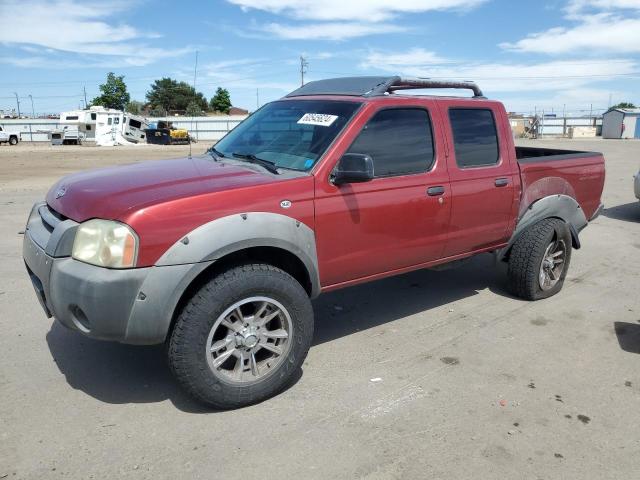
(537, 154)
(551, 171)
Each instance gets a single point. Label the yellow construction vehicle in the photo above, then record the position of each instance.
(165, 133)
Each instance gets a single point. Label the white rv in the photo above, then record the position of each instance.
(107, 126)
(83, 120)
(133, 127)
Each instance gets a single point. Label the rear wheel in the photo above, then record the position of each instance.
(539, 260)
(13, 141)
(242, 337)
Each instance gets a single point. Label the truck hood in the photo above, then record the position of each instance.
(113, 192)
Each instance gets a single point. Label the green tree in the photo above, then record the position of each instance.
(221, 101)
(623, 105)
(114, 93)
(134, 107)
(158, 112)
(194, 109)
(170, 95)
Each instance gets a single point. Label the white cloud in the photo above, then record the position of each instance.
(414, 58)
(328, 31)
(575, 101)
(25, 62)
(342, 20)
(578, 6)
(240, 74)
(503, 77)
(352, 10)
(600, 27)
(322, 55)
(80, 28)
(596, 33)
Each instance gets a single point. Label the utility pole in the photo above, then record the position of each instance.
(18, 102)
(33, 111)
(303, 69)
(33, 115)
(195, 72)
(84, 89)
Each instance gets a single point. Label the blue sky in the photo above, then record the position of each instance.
(553, 54)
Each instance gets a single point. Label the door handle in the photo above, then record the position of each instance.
(435, 191)
(501, 182)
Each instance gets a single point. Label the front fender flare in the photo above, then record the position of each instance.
(226, 235)
(168, 279)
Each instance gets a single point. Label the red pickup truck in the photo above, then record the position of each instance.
(341, 182)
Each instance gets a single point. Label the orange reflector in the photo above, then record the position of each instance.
(129, 252)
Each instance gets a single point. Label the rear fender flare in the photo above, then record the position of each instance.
(564, 207)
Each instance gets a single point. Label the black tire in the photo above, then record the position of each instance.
(189, 342)
(13, 141)
(528, 253)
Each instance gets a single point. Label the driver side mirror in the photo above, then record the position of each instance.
(353, 168)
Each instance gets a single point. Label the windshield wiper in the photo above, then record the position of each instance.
(215, 152)
(251, 158)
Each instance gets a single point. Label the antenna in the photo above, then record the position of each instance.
(195, 71)
(195, 76)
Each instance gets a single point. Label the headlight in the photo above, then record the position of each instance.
(105, 243)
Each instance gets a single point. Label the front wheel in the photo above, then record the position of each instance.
(539, 260)
(242, 337)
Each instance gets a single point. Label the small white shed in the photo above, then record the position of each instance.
(621, 123)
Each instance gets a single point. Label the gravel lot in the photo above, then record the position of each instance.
(473, 383)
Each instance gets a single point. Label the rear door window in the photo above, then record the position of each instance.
(399, 141)
(474, 137)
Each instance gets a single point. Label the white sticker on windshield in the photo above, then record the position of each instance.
(321, 119)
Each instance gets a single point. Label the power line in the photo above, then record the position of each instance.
(551, 77)
(155, 77)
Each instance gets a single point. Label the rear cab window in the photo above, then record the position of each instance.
(475, 137)
(399, 141)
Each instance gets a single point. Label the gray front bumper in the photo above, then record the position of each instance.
(129, 306)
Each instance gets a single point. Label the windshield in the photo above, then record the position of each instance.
(290, 134)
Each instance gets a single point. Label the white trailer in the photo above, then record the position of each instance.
(133, 127)
(83, 120)
(68, 135)
(106, 126)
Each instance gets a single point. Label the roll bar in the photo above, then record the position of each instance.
(377, 86)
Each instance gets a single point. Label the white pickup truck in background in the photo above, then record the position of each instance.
(10, 138)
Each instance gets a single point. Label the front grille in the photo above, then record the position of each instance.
(51, 231)
(50, 218)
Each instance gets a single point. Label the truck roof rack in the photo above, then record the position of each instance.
(377, 86)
